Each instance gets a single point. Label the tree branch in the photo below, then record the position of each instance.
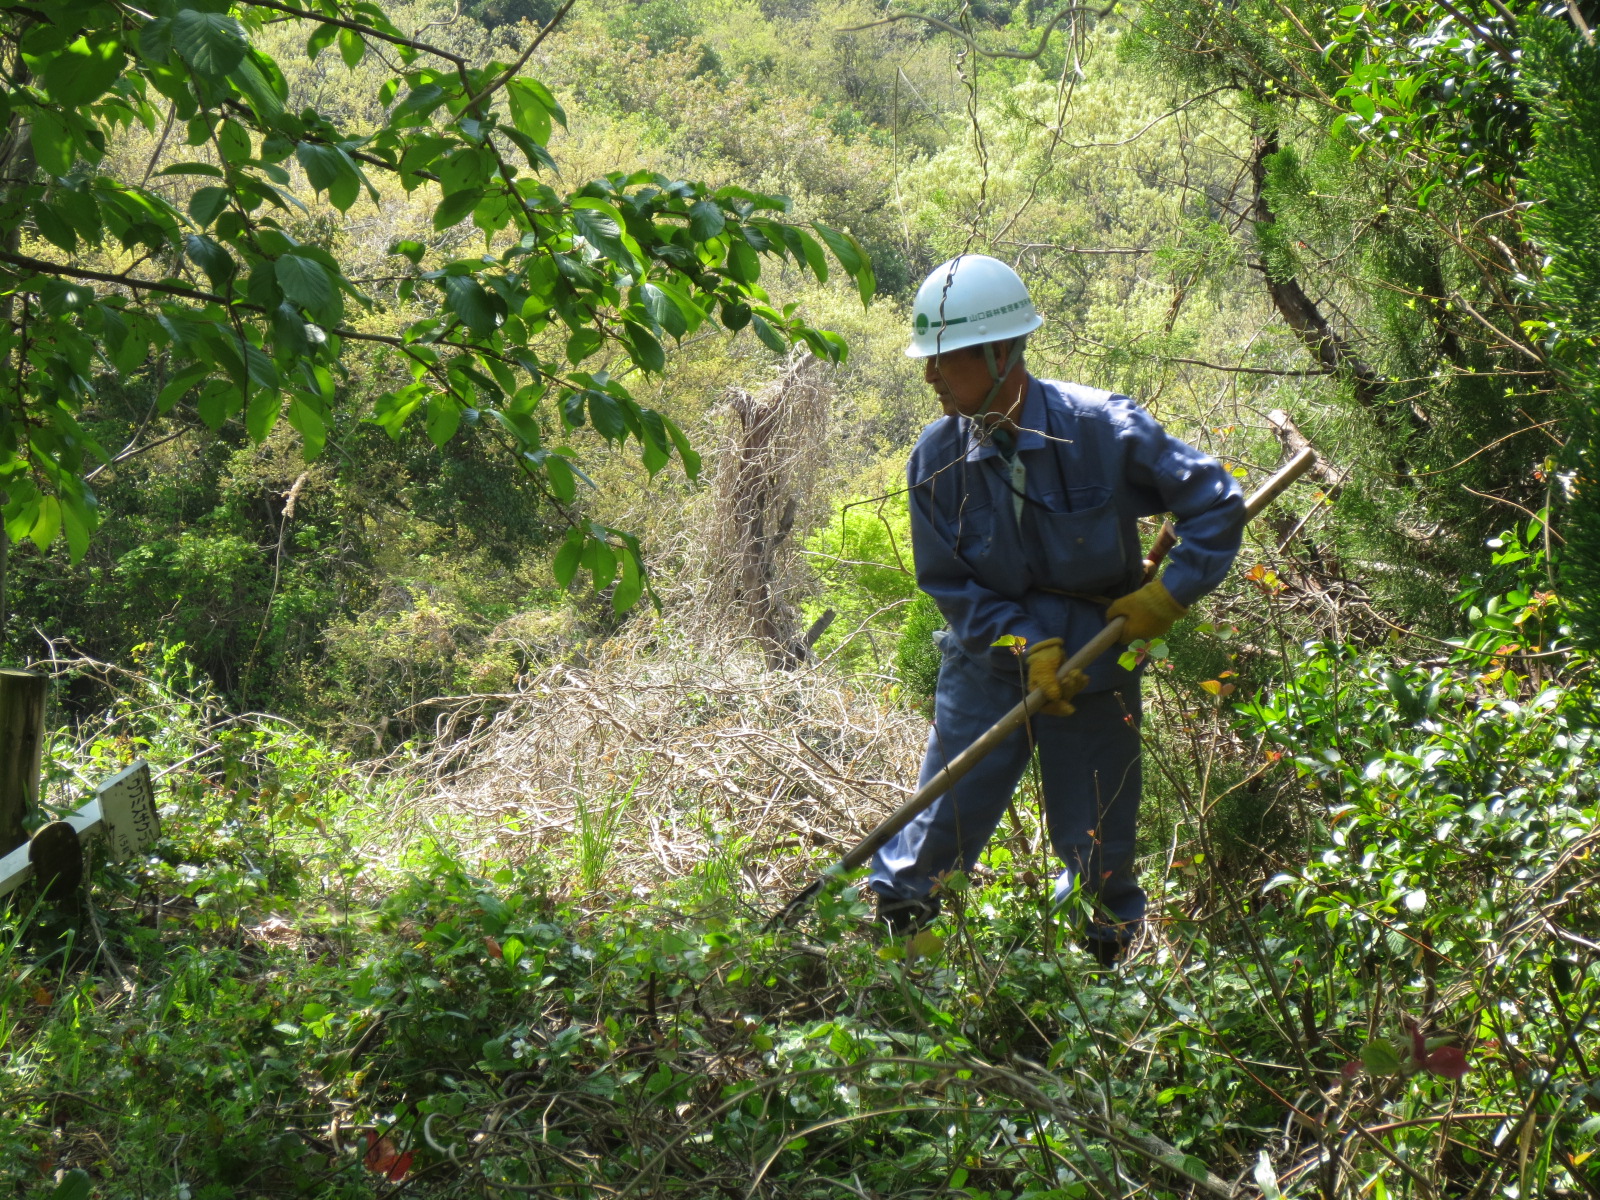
(357, 27)
(505, 76)
(1026, 56)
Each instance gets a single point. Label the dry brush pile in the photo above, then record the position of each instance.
(655, 758)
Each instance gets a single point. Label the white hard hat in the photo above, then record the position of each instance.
(967, 301)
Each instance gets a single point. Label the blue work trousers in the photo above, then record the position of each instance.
(1089, 764)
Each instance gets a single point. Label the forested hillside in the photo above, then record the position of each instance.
(461, 448)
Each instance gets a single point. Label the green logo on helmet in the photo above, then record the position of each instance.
(922, 323)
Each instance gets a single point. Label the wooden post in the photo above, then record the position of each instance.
(22, 697)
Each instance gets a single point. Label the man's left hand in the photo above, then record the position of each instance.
(1149, 612)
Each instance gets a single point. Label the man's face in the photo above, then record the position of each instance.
(960, 378)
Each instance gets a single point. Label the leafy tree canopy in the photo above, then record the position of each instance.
(235, 315)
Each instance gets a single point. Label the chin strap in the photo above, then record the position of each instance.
(1002, 437)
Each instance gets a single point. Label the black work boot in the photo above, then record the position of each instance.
(1105, 951)
(902, 917)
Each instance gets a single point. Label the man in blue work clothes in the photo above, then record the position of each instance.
(1024, 502)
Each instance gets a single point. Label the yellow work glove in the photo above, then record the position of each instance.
(1044, 661)
(1150, 612)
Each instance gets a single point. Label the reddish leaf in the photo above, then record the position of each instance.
(384, 1157)
(1448, 1061)
(493, 947)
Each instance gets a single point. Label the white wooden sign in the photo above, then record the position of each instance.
(123, 811)
(128, 812)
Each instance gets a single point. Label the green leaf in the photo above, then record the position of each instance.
(262, 414)
(53, 145)
(206, 204)
(181, 383)
(48, 525)
(1380, 1058)
(306, 416)
(735, 316)
(479, 311)
(443, 419)
(329, 168)
(456, 207)
(538, 157)
(528, 111)
(663, 310)
(211, 258)
(234, 142)
(78, 522)
(852, 258)
(62, 296)
(352, 48)
(654, 437)
(321, 38)
(644, 349)
(412, 250)
(601, 226)
(155, 41)
(74, 1185)
(842, 245)
(601, 562)
(770, 337)
(304, 282)
(419, 102)
(546, 98)
(191, 168)
(815, 258)
(694, 316)
(212, 43)
(743, 263)
(562, 481)
(565, 564)
(583, 343)
(54, 227)
(266, 94)
(705, 220)
(691, 460)
(866, 281)
(289, 332)
(84, 70)
(631, 586)
(606, 415)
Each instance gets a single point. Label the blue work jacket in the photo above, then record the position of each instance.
(1095, 462)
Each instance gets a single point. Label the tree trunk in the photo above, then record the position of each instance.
(763, 483)
(1301, 313)
(17, 162)
(5, 562)
(22, 697)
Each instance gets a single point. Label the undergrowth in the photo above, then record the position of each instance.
(289, 998)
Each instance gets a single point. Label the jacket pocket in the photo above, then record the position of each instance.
(1087, 499)
(1083, 550)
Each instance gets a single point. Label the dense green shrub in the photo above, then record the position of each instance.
(917, 655)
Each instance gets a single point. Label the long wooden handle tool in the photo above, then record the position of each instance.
(1013, 720)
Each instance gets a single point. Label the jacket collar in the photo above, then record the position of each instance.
(1030, 431)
